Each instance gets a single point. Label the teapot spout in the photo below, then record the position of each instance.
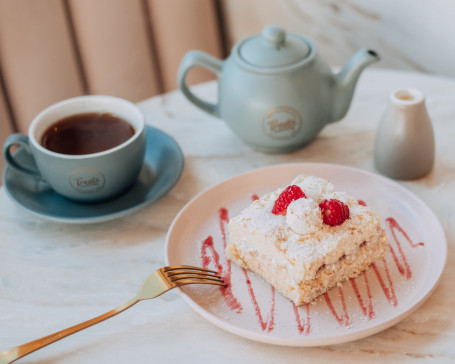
(346, 80)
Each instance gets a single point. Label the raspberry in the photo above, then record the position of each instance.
(334, 212)
(291, 193)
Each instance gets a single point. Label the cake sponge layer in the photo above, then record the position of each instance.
(327, 276)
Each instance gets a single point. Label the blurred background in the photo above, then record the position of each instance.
(55, 49)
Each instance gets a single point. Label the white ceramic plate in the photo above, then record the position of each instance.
(387, 292)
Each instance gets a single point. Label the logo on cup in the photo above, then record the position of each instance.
(281, 122)
(87, 180)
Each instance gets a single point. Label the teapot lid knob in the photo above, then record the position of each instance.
(273, 48)
(274, 35)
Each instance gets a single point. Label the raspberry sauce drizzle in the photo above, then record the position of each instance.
(266, 325)
(344, 318)
(224, 219)
(404, 268)
(226, 291)
(304, 327)
(367, 309)
(389, 291)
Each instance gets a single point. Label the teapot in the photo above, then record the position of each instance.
(274, 91)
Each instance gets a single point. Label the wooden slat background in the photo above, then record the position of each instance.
(200, 17)
(6, 126)
(37, 57)
(51, 50)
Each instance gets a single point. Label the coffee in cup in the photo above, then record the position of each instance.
(86, 133)
(88, 148)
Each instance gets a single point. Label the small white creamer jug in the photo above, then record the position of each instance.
(405, 146)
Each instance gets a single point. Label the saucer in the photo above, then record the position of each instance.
(162, 169)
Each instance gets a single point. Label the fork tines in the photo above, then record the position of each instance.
(184, 274)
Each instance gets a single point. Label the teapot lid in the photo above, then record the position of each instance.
(273, 48)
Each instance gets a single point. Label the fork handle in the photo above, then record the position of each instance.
(13, 354)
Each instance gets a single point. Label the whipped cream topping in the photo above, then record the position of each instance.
(313, 186)
(304, 216)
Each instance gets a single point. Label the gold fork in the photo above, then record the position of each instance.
(159, 282)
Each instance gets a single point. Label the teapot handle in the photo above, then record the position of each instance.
(201, 59)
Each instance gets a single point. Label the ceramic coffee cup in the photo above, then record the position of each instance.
(87, 177)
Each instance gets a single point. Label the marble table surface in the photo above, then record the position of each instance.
(54, 275)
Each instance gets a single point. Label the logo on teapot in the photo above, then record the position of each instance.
(281, 122)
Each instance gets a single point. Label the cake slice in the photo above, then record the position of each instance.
(306, 238)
